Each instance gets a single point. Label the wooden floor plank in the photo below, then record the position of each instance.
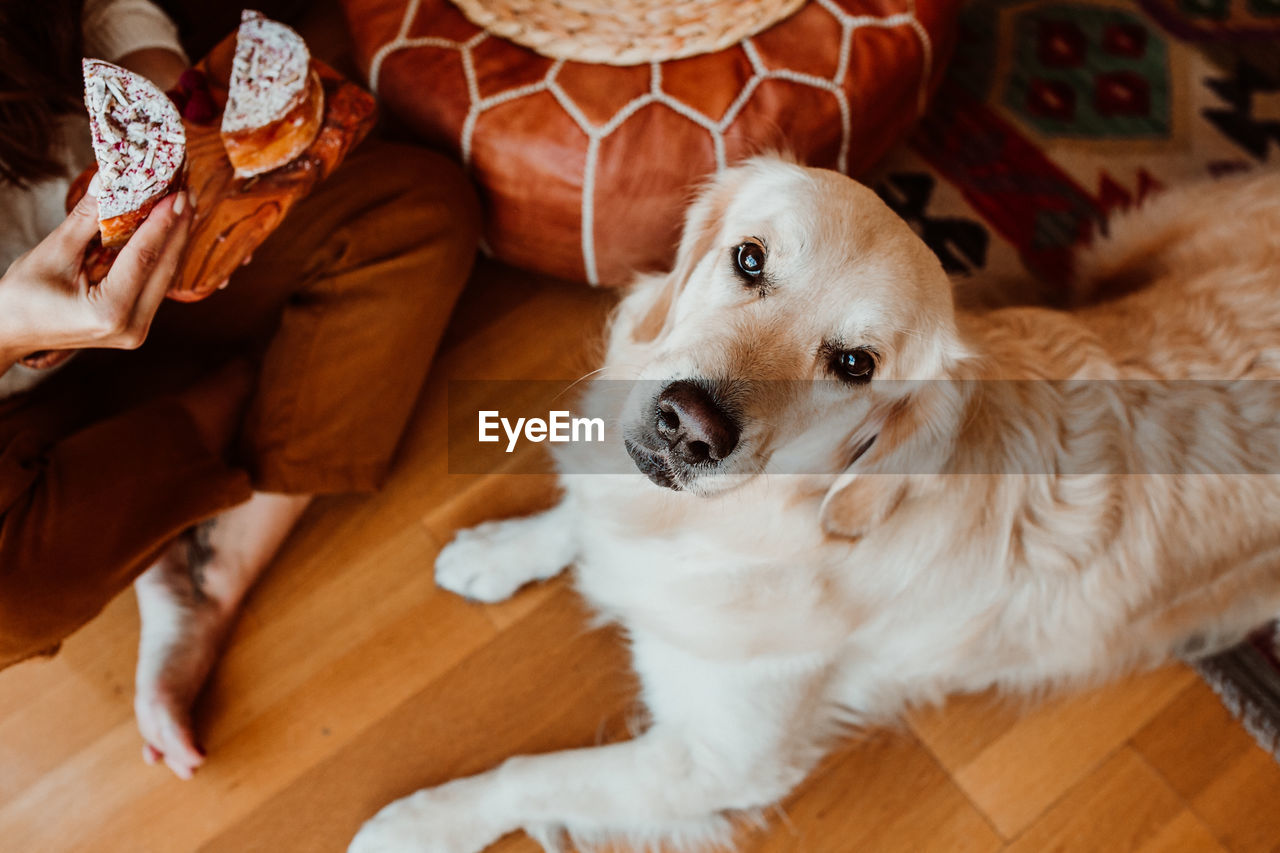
(958, 731)
(1209, 759)
(1122, 805)
(1186, 833)
(1051, 747)
(498, 701)
(880, 792)
(330, 671)
(59, 706)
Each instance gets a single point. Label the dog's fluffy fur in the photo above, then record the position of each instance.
(765, 609)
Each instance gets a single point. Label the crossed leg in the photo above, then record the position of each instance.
(188, 601)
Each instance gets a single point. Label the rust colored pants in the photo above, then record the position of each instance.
(299, 377)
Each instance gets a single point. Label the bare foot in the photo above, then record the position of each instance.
(188, 602)
(182, 633)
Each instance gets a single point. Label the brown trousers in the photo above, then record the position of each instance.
(299, 377)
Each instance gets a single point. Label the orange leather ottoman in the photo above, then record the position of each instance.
(587, 139)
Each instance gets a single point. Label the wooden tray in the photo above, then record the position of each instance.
(235, 215)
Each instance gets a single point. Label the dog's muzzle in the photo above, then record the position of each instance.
(689, 432)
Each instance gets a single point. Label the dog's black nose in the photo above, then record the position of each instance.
(693, 425)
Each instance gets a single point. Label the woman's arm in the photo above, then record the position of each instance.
(135, 34)
(45, 298)
(160, 65)
(113, 29)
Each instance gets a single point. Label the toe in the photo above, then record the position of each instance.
(179, 746)
(168, 736)
(182, 771)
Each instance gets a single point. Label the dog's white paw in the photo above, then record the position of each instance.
(430, 821)
(493, 560)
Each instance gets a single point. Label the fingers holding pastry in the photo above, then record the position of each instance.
(134, 288)
(63, 250)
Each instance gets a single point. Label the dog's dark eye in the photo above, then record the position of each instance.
(748, 257)
(852, 365)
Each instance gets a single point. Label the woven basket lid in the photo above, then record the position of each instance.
(626, 32)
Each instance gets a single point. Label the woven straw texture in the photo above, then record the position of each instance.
(625, 32)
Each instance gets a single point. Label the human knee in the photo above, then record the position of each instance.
(439, 191)
(29, 625)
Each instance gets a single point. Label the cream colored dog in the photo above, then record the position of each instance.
(857, 498)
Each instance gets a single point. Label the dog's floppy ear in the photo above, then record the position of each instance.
(898, 455)
(702, 225)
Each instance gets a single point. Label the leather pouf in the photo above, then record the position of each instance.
(585, 168)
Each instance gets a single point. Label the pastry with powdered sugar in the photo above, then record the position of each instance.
(139, 143)
(275, 102)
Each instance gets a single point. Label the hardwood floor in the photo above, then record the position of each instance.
(352, 680)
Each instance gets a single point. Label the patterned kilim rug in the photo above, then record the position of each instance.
(1055, 114)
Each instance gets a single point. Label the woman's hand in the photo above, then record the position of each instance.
(46, 301)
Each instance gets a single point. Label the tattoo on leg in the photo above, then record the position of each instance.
(199, 553)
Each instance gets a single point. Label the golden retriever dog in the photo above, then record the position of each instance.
(834, 495)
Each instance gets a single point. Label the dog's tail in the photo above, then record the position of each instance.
(1198, 227)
